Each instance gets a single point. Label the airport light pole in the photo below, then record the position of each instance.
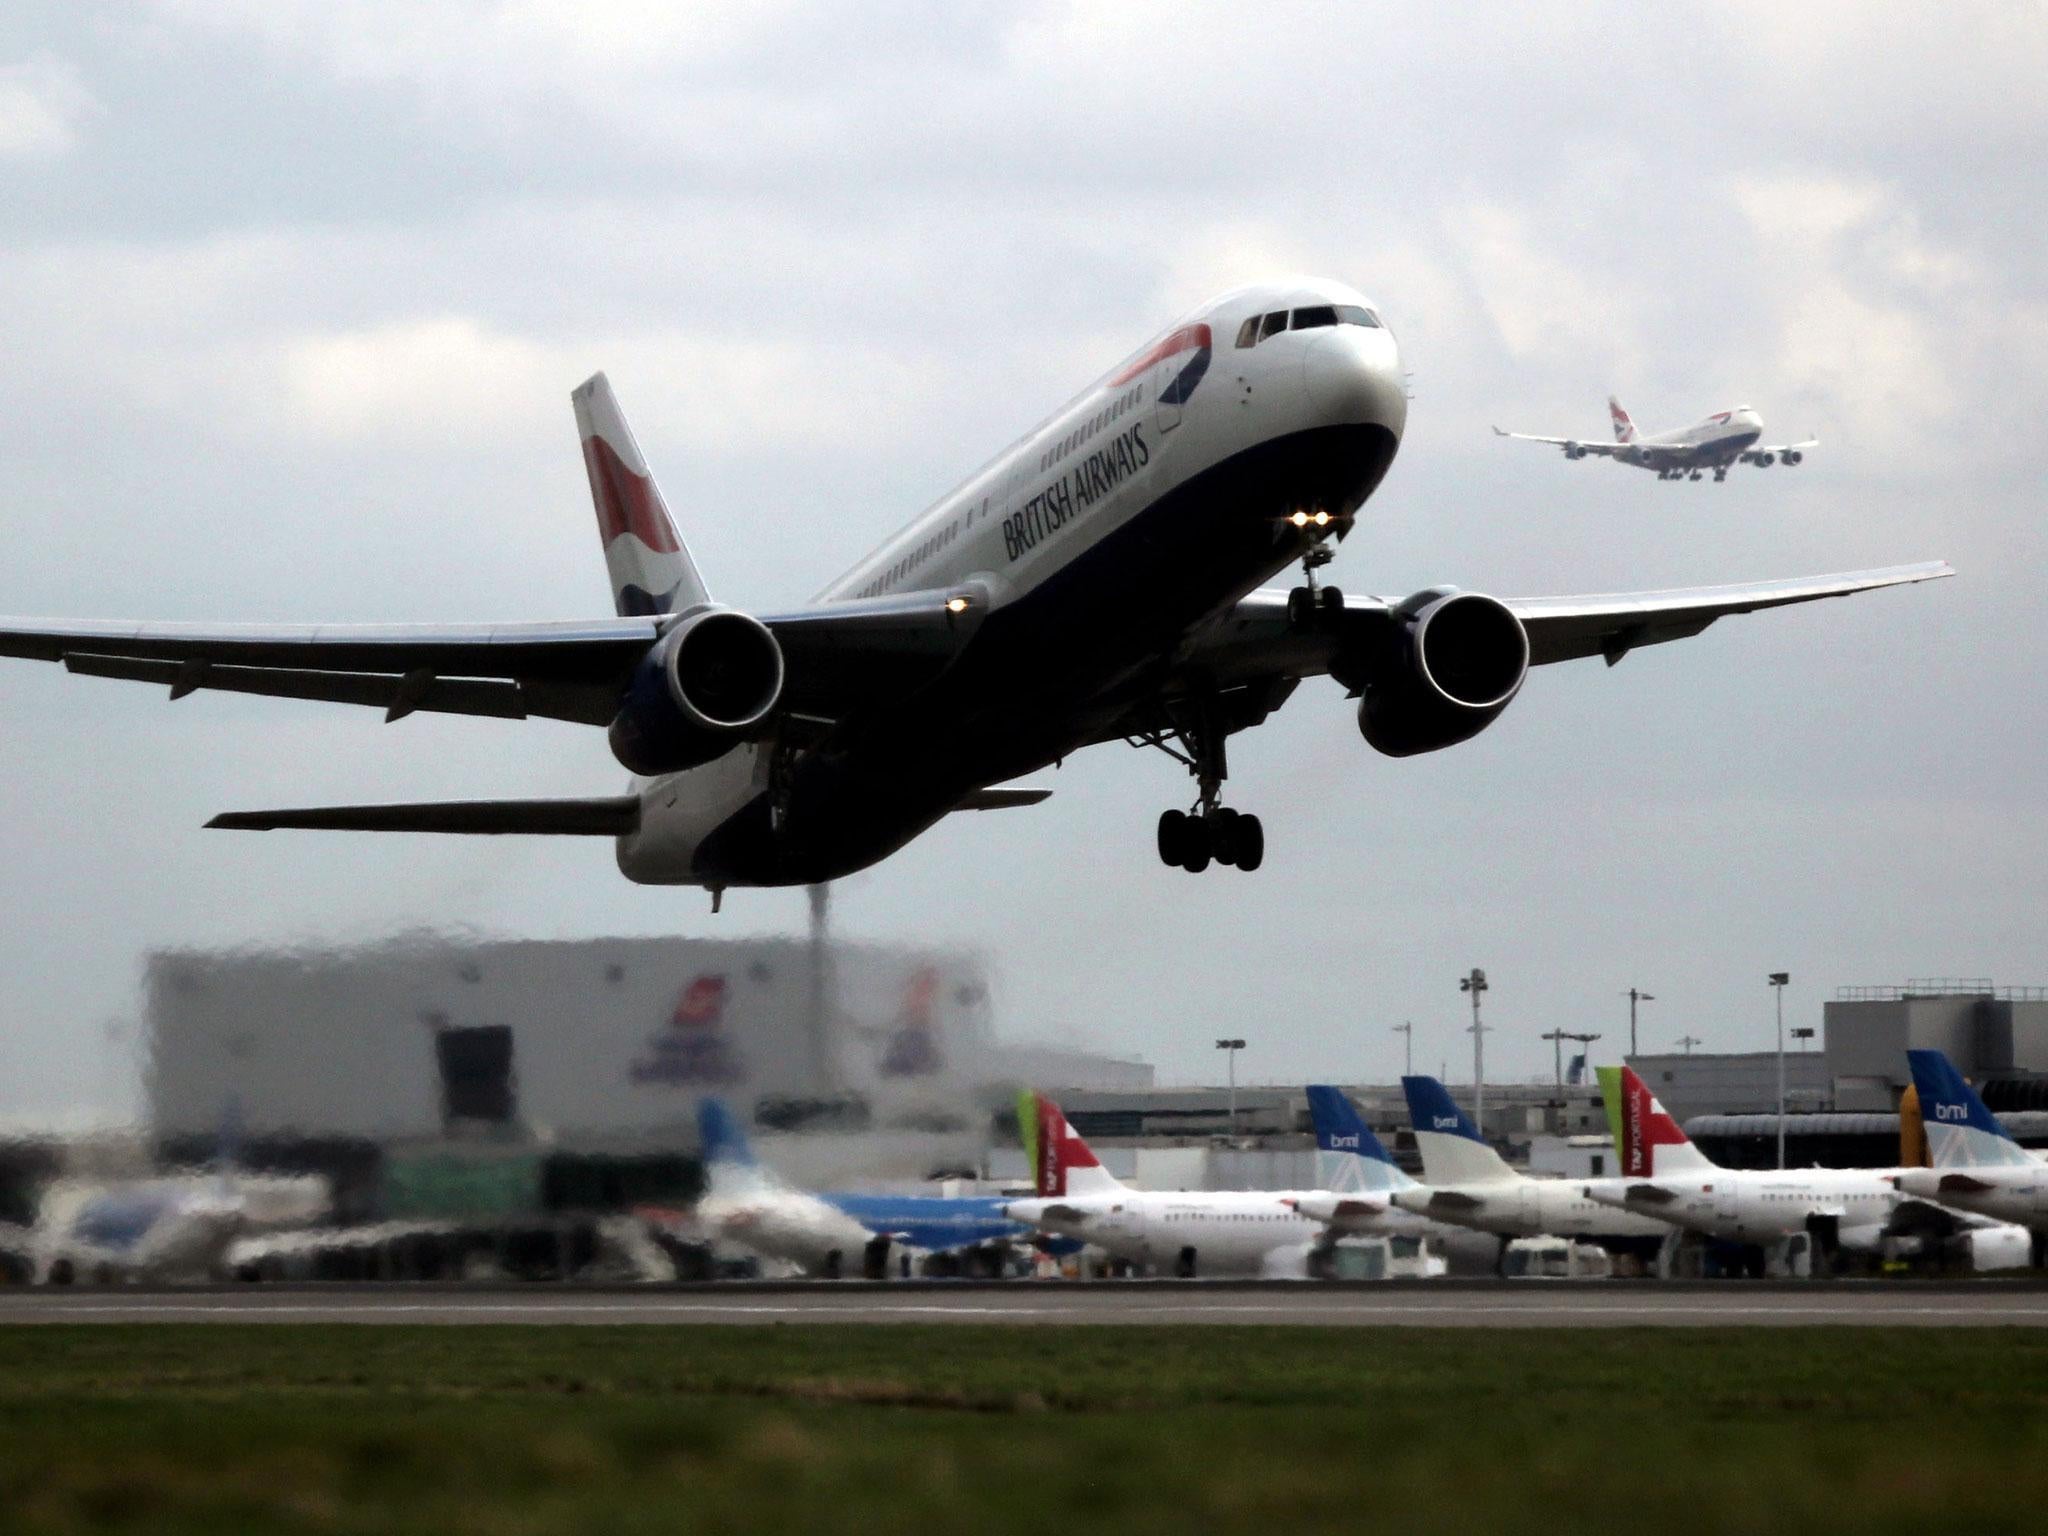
(1689, 1041)
(1779, 980)
(1475, 984)
(1407, 1032)
(1805, 1038)
(1231, 1048)
(1635, 995)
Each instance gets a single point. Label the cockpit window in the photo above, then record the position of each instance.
(1357, 314)
(1248, 333)
(1276, 322)
(1315, 315)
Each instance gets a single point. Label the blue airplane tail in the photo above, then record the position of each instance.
(720, 1135)
(1341, 1133)
(1431, 1108)
(1961, 1131)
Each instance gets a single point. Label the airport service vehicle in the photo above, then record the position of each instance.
(1187, 1233)
(833, 1235)
(1665, 1176)
(1471, 1185)
(1716, 443)
(1978, 1167)
(1098, 580)
(1361, 1178)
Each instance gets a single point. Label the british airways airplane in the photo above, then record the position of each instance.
(1721, 440)
(1098, 580)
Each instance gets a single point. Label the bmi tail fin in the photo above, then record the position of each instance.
(1624, 428)
(651, 571)
(1453, 1151)
(729, 1162)
(1349, 1158)
(1651, 1141)
(1961, 1132)
(1067, 1165)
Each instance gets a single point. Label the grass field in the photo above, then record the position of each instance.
(507, 1430)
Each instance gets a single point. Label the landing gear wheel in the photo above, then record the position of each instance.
(1248, 843)
(1196, 847)
(1720, 474)
(1695, 474)
(1173, 836)
(1222, 828)
(1330, 600)
(1301, 606)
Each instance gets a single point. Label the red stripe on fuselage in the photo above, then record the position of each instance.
(1186, 339)
(625, 501)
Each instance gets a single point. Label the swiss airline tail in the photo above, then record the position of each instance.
(1624, 429)
(1064, 1164)
(651, 572)
(1651, 1141)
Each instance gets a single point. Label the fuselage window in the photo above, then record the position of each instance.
(1248, 333)
(1275, 323)
(1315, 315)
(1357, 314)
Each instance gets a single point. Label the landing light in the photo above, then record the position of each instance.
(1299, 519)
(956, 605)
(1322, 519)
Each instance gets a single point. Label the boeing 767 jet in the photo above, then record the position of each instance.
(1098, 580)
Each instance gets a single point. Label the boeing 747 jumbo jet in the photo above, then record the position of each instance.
(1096, 581)
(1723, 439)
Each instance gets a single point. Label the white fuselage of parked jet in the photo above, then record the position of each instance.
(2016, 1192)
(1526, 1207)
(1762, 1205)
(1192, 1233)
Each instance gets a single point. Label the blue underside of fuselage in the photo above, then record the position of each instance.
(934, 1223)
(1711, 455)
(1047, 672)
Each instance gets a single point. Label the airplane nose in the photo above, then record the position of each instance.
(1353, 374)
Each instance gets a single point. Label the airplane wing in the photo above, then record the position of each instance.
(1003, 797)
(1453, 1200)
(1254, 646)
(836, 654)
(1595, 447)
(609, 816)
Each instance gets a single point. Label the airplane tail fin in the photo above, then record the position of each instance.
(1913, 1149)
(1349, 1158)
(651, 571)
(1651, 1141)
(1453, 1151)
(1065, 1164)
(729, 1159)
(1961, 1132)
(1610, 1100)
(1624, 428)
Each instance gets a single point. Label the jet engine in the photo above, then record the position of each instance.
(1766, 460)
(1454, 661)
(1793, 456)
(1574, 451)
(707, 683)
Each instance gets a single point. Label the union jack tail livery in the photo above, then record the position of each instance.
(1624, 428)
(651, 571)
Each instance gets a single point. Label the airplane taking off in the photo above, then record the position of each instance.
(828, 1235)
(1725, 438)
(1097, 581)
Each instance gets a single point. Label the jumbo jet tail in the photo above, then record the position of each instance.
(1453, 1151)
(1961, 1131)
(1624, 428)
(651, 571)
(1061, 1162)
(1349, 1158)
(1652, 1144)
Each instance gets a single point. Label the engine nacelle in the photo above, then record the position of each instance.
(701, 689)
(1793, 456)
(1766, 460)
(1574, 451)
(1457, 659)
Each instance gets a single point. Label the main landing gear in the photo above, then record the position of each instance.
(1209, 832)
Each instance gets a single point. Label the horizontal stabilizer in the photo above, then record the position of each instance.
(1964, 1184)
(1453, 1200)
(1651, 1194)
(612, 816)
(1353, 1209)
(1003, 799)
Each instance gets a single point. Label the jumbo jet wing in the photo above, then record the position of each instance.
(1604, 449)
(1254, 647)
(836, 654)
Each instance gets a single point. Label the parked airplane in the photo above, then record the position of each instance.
(1723, 439)
(1187, 1233)
(1361, 1179)
(1665, 1176)
(1978, 1167)
(1096, 581)
(1471, 1185)
(836, 1234)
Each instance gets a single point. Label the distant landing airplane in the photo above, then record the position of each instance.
(1723, 439)
(1096, 581)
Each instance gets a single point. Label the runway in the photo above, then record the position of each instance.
(1483, 1304)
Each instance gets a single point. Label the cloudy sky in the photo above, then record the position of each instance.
(292, 296)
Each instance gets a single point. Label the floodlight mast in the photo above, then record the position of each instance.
(1231, 1048)
(1779, 981)
(1475, 984)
